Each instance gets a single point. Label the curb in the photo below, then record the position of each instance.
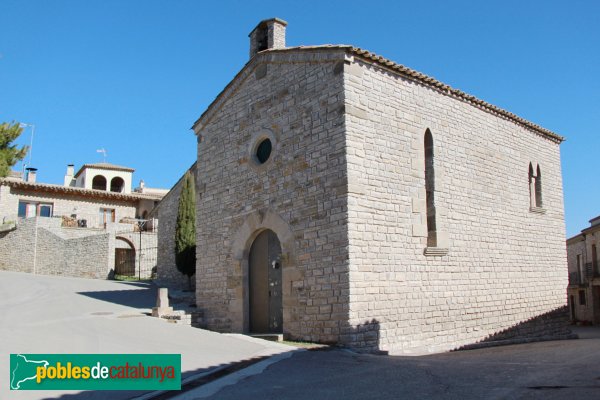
(217, 378)
(215, 386)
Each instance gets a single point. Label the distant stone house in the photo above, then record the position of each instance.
(345, 198)
(584, 274)
(167, 274)
(94, 215)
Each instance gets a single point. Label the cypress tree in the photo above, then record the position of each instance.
(185, 231)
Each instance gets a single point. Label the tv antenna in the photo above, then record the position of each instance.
(32, 126)
(103, 151)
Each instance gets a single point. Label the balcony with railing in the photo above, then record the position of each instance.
(99, 221)
(595, 270)
(576, 279)
(583, 277)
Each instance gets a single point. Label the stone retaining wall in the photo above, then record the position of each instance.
(41, 246)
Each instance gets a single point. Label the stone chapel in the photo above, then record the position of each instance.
(345, 198)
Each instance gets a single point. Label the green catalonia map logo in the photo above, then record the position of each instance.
(95, 371)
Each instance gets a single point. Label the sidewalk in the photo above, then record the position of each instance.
(46, 314)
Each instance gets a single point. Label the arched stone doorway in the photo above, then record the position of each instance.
(264, 283)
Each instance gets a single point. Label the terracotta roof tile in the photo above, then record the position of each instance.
(50, 188)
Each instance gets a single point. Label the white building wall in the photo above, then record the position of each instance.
(86, 178)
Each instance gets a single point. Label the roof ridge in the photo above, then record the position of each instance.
(402, 69)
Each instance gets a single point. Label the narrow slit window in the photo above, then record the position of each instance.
(538, 188)
(535, 187)
(531, 187)
(430, 190)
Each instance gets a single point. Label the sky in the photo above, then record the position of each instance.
(132, 76)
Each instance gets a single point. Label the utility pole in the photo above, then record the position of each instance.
(141, 223)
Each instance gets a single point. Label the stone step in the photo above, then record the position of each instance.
(273, 337)
(192, 318)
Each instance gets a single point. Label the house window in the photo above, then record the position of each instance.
(582, 297)
(29, 209)
(262, 146)
(430, 190)
(579, 269)
(107, 215)
(263, 151)
(594, 259)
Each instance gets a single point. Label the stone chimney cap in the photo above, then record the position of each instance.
(266, 21)
(31, 169)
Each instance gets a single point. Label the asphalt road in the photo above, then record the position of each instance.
(49, 314)
(42, 314)
(567, 369)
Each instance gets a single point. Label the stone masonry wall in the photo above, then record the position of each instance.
(167, 273)
(296, 100)
(9, 205)
(41, 246)
(505, 264)
(17, 248)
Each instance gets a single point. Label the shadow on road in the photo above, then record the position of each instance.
(135, 294)
(189, 381)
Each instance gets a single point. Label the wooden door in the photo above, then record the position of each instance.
(266, 309)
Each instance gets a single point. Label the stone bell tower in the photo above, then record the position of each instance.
(268, 34)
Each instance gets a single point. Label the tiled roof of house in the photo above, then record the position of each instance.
(77, 191)
(410, 74)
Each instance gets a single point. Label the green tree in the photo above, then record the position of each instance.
(185, 231)
(9, 153)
